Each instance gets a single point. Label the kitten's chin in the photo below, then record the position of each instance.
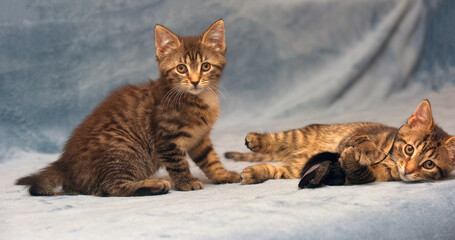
(195, 91)
(405, 178)
(408, 177)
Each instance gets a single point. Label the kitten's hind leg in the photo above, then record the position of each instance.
(122, 188)
(262, 172)
(280, 142)
(251, 157)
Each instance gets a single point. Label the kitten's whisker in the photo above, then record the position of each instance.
(174, 99)
(388, 154)
(212, 91)
(173, 92)
(393, 158)
(222, 94)
(182, 93)
(183, 96)
(221, 88)
(382, 150)
(167, 96)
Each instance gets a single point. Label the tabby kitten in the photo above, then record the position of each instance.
(138, 129)
(417, 151)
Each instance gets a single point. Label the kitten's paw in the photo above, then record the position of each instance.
(351, 157)
(363, 150)
(154, 187)
(346, 157)
(189, 184)
(363, 159)
(253, 142)
(227, 177)
(252, 175)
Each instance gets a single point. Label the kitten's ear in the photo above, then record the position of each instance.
(422, 117)
(214, 36)
(165, 41)
(450, 144)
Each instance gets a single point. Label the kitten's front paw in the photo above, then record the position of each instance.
(251, 175)
(189, 184)
(227, 177)
(352, 156)
(347, 157)
(253, 141)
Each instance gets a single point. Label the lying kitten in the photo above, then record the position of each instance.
(138, 129)
(419, 150)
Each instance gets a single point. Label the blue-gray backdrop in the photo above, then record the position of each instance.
(59, 58)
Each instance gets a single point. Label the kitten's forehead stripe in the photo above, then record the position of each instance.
(424, 146)
(418, 143)
(191, 56)
(428, 148)
(431, 154)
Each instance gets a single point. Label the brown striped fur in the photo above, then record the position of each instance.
(360, 145)
(138, 129)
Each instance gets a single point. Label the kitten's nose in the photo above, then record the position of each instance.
(194, 79)
(410, 167)
(195, 83)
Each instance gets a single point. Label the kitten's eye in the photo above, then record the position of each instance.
(182, 68)
(409, 150)
(428, 164)
(205, 67)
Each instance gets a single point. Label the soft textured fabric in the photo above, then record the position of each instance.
(290, 63)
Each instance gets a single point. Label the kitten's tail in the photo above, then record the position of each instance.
(42, 183)
(255, 157)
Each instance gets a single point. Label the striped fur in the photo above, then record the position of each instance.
(138, 129)
(359, 145)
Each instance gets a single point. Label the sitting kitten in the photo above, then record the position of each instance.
(138, 129)
(419, 150)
